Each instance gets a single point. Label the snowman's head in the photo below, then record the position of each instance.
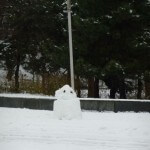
(65, 93)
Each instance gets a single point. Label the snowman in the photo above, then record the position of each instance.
(67, 105)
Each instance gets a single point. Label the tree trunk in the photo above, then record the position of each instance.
(68, 77)
(147, 90)
(43, 82)
(17, 72)
(122, 89)
(33, 78)
(9, 74)
(139, 92)
(147, 85)
(91, 87)
(96, 88)
(113, 93)
(78, 86)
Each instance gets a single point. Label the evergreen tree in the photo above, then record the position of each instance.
(33, 24)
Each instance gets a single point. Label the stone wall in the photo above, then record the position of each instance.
(96, 105)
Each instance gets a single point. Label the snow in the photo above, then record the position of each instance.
(65, 93)
(105, 99)
(25, 73)
(2, 75)
(103, 92)
(22, 72)
(39, 96)
(67, 109)
(67, 106)
(26, 95)
(24, 129)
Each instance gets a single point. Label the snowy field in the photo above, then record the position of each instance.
(24, 129)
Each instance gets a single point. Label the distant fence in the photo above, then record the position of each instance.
(115, 105)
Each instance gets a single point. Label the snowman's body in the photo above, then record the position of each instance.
(67, 106)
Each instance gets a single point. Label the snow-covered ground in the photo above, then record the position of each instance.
(24, 129)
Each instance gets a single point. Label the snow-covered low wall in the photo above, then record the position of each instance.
(32, 103)
(45, 103)
(116, 105)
